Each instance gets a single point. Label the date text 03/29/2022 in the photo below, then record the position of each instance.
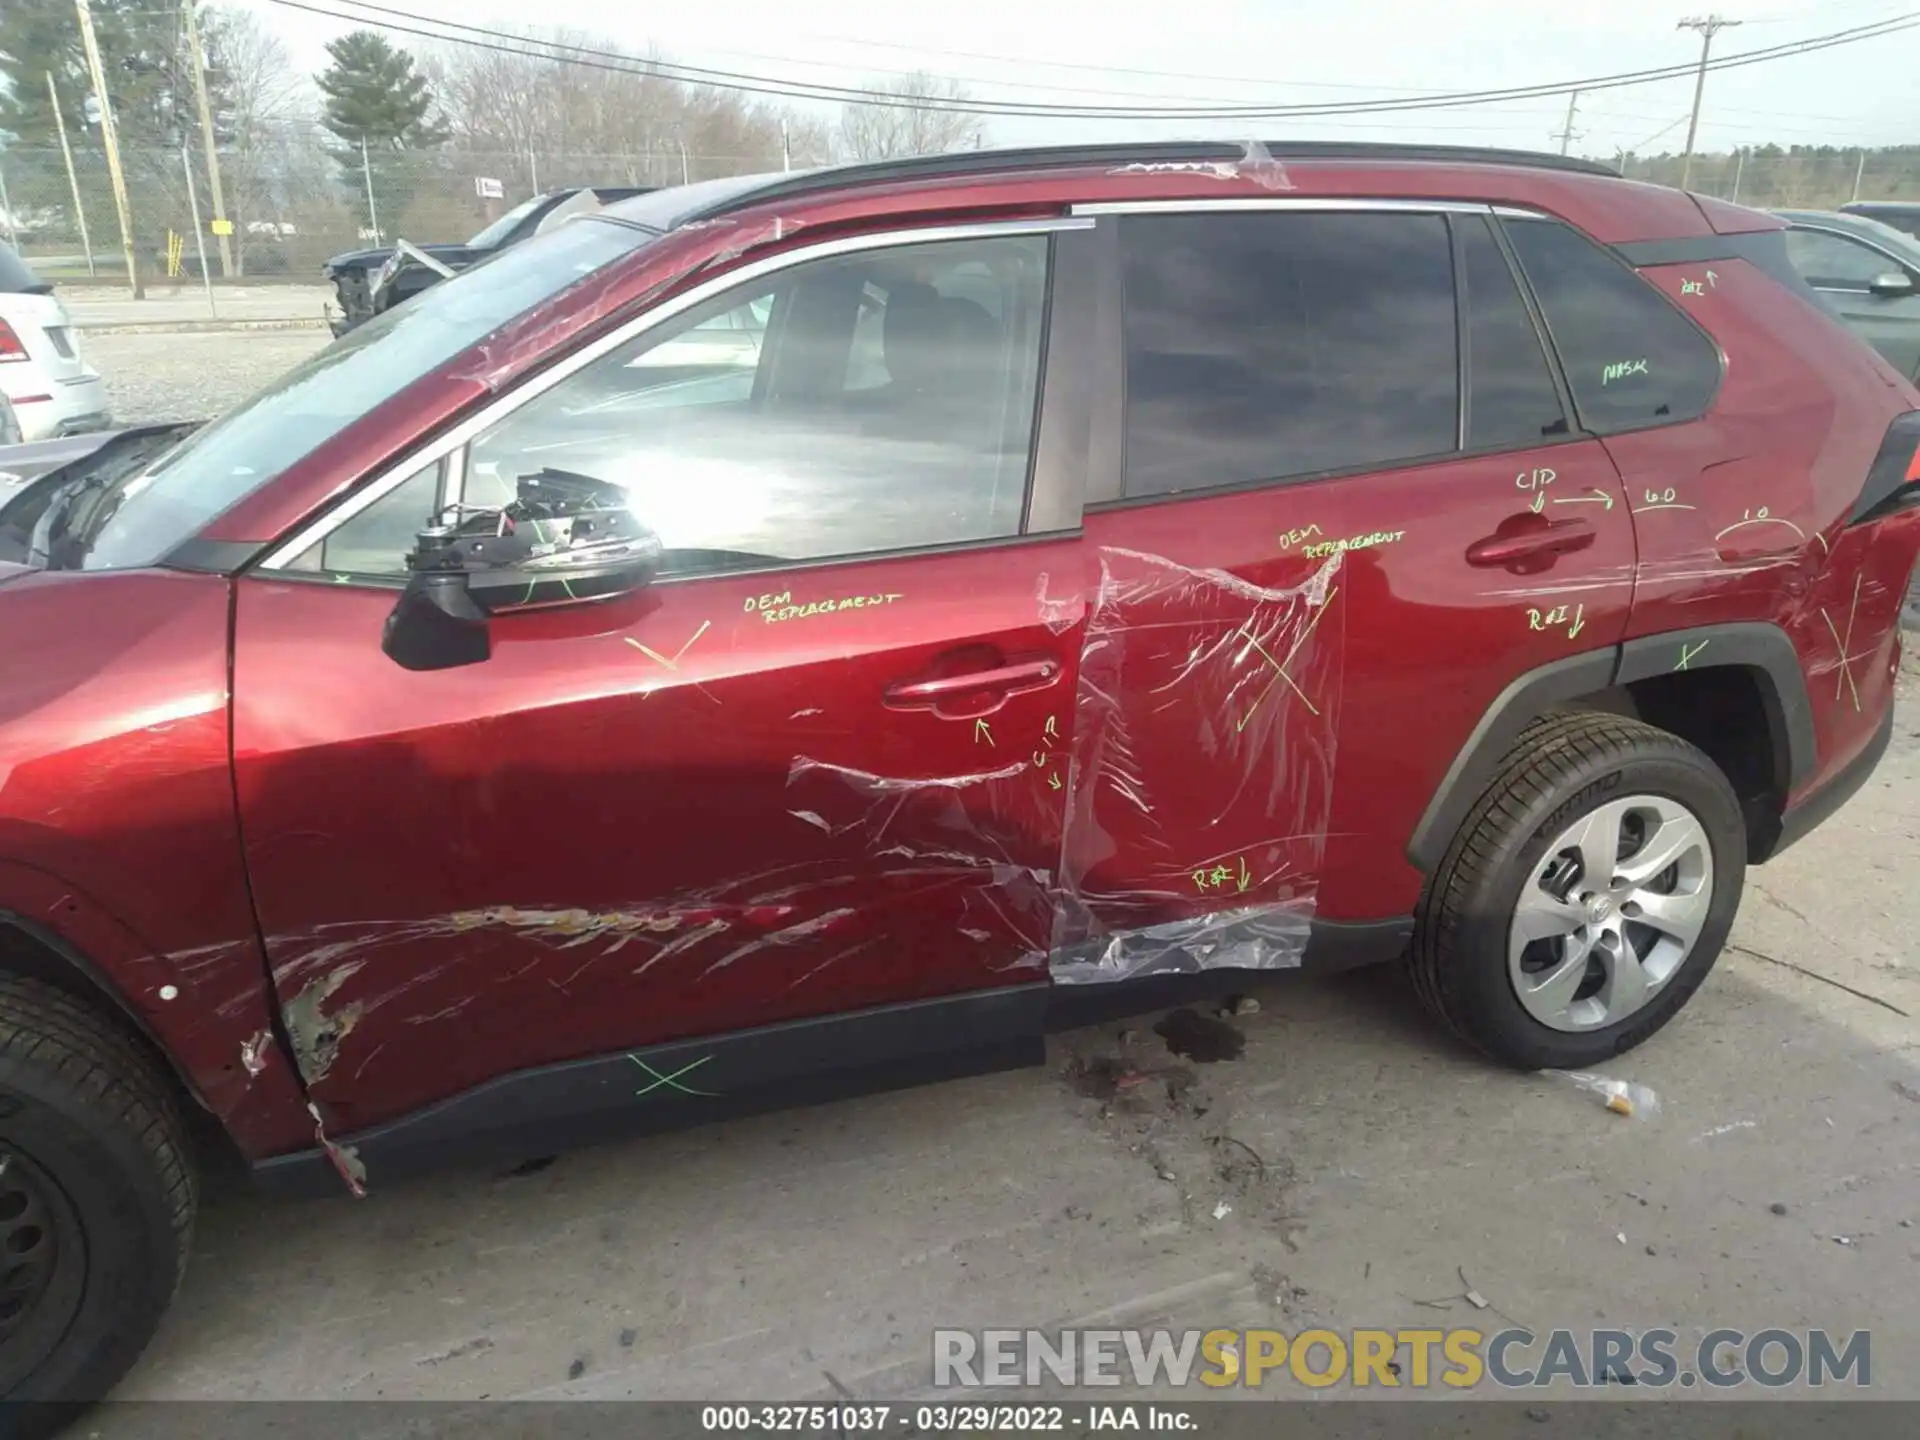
(969, 1419)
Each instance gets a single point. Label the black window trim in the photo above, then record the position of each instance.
(1585, 427)
(1106, 476)
(1462, 349)
(1058, 467)
(1556, 369)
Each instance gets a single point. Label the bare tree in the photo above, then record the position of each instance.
(269, 167)
(538, 120)
(911, 125)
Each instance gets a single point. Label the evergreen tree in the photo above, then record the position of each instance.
(143, 53)
(381, 109)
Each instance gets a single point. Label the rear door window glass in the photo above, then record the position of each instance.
(1631, 358)
(1511, 398)
(1267, 346)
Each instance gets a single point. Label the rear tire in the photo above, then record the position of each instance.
(1568, 776)
(97, 1198)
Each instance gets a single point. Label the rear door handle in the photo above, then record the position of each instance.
(1556, 537)
(1028, 675)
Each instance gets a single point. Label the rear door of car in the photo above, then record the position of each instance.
(818, 767)
(1847, 271)
(1338, 513)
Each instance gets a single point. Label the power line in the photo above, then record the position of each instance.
(856, 94)
(594, 58)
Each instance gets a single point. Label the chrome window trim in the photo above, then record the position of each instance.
(454, 441)
(1307, 203)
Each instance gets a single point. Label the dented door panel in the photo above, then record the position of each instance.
(691, 810)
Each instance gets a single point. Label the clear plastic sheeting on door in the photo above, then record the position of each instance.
(1202, 772)
(1190, 790)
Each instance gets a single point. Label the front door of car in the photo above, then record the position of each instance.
(1856, 280)
(818, 765)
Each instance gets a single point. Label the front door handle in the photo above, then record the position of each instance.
(1006, 679)
(1533, 542)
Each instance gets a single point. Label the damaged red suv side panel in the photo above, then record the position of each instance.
(790, 635)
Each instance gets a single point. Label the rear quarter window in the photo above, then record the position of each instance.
(1631, 358)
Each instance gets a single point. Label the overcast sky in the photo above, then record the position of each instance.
(1106, 52)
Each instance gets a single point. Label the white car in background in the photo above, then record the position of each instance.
(52, 390)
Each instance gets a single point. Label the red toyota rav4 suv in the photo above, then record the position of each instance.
(779, 636)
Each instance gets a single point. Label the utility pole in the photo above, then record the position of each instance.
(366, 173)
(1708, 26)
(786, 146)
(110, 138)
(199, 239)
(1859, 171)
(189, 10)
(1739, 165)
(73, 180)
(1566, 131)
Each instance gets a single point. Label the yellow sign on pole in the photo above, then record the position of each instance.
(221, 227)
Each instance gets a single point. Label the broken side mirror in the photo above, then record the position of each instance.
(566, 540)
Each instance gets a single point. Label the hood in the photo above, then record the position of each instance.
(28, 473)
(454, 255)
(20, 464)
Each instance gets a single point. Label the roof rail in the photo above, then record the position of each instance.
(987, 162)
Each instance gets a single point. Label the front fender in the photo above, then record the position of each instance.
(206, 1013)
(119, 843)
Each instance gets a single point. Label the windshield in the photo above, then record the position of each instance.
(237, 454)
(504, 226)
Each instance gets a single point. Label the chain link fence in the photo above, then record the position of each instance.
(294, 201)
(1788, 182)
(292, 205)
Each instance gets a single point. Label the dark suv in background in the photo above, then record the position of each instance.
(366, 282)
(793, 634)
(1901, 215)
(1867, 272)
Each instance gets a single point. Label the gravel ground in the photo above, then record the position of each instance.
(194, 377)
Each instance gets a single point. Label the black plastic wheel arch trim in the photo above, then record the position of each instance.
(1756, 646)
(1816, 808)
(1752, 645)
(1513, 709)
